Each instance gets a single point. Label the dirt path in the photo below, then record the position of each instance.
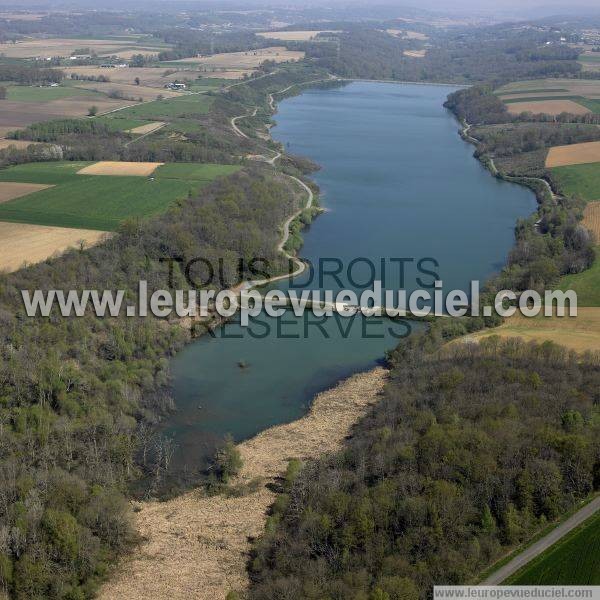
(300, 266)
(196, 546)
(234, 121)
(536, 549)
(466, 128)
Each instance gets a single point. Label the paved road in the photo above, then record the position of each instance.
(534, 550)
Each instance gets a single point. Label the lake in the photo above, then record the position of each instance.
(398, 183)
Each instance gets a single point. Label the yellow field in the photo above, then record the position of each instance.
(4, 143)
(294, 36)
(154, 77)
(415, 53)
(550, 107)
(575, 154)
(22, 16)
(579, 333)
(109, 167)
(57, 47)
(591, 218)
(10, 190)
(246, 60)
(28, 244)
(573, 87)
(149, 128)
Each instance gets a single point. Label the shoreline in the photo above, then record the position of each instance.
(198, 546)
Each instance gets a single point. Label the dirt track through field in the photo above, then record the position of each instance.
(575, 154)
(132, 169)
(20, 243)
(196, 546)
(10, 191)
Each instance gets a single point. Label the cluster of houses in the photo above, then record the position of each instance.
(175, 86)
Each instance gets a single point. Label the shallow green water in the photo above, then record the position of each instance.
(398, 182)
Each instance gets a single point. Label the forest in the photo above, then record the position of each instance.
(471, 449)
(479, 55)
(79, 397)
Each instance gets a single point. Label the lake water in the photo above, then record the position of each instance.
(397, 182)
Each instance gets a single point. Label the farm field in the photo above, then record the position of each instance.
(578, 180)
(15, 115)
(574, 154)
(244, 60)
(20, 243)
(121, 169)
(407, 35)
(579, 333)
(116, 123)
(146, 128)
(10, 191)
(587, 286)
(570, 87)
(99, 202)
(294, 36)
(164, 109)
(49, 47)
(591, 218)
(126, 90)
(548, 106)
(155, 77)
(578, 94)
(23, 93)
(574, 560)
(415, 53)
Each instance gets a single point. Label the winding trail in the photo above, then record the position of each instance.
(234, 121)
(466, 128)
(300, 265)
(546, 542)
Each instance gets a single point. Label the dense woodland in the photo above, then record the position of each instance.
(468, 452)
(79, 397)
(466, 57)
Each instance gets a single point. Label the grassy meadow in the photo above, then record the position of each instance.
(101, 202)
(579, 180)
(586, 284)
(192, 104)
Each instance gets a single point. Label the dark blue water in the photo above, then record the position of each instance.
(397, 181)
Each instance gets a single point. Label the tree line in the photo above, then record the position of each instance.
(470, 450)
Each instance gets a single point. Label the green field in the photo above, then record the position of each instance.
(184, 126)
(589, 58)
(578, 180)
(586, 284)
(23, 93)
(118, 123)
(193, 171)
(101, 202)
(574, 560)
(181, 106)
